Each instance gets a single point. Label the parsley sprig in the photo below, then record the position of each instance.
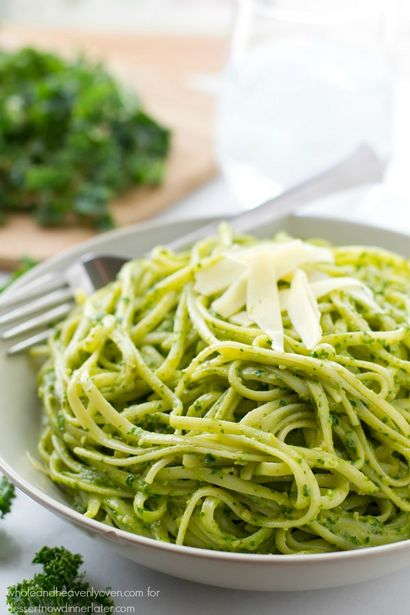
(60, 584)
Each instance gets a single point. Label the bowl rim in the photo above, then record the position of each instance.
(128, 538)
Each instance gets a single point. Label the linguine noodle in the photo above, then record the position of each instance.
(169, 421)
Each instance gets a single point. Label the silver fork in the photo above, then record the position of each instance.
(50, 297)
(38, 305)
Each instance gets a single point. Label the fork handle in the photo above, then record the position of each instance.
(361, 167)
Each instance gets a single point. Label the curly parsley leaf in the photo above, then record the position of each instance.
(60, 584)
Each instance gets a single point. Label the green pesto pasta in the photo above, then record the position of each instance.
(167, 420)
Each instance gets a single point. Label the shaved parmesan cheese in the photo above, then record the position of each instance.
(314, 275)
(284, 299)
(318, 254)
(322, 287)
(292, 257)
(303, 310)
(262, 299)
(286, 256)
(247, 254)
(219, 276)
(242, 319)
(232, 300)
(245, 280)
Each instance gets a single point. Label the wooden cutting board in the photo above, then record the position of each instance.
(163, 70)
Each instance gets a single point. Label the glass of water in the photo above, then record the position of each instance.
(306, 82)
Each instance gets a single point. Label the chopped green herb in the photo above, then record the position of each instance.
(71, 139)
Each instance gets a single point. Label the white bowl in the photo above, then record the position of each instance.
(20, 420)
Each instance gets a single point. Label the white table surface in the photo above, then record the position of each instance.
(29, 526)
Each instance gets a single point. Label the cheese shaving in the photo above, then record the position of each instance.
(219, 276)
(232, 300)
(242, 319)
(262, 299)
(248, 279)
(322, 287)
(303, 310)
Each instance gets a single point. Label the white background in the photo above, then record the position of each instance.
(29, 527)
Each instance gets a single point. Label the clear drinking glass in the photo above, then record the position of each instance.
(306, 82)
